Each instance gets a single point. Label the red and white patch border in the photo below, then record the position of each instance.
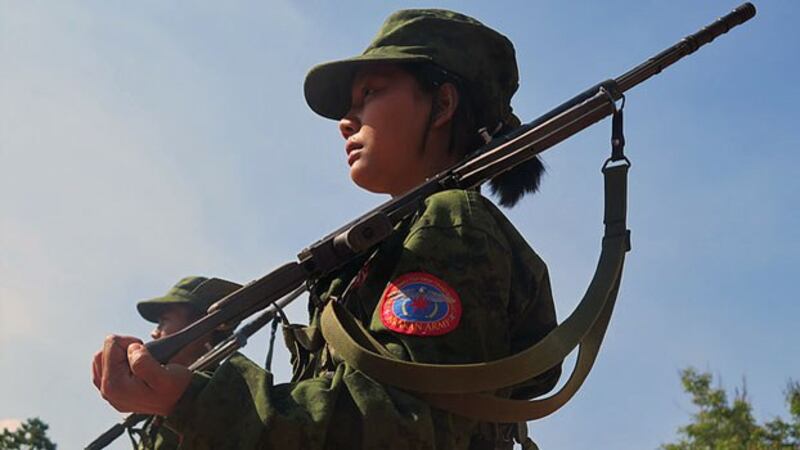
(397, 324)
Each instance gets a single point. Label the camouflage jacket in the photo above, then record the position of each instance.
(457, 283)
(155, 436)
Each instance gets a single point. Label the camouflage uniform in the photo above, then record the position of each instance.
(459, 238)
(493, 289)
(154, 436)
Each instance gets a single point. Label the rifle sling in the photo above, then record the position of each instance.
(465, 389)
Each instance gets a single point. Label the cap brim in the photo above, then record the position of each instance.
(152, 309)
(328, 86)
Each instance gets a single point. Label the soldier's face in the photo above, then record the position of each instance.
(385, 130)
(173, 319)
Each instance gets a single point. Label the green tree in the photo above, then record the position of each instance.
(720, 424)
(31, 435)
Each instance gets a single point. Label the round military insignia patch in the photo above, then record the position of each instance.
(420, 304)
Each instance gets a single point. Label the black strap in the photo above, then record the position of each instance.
(617, 136)
(273, 330)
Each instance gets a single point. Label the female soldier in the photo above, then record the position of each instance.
(455, 283)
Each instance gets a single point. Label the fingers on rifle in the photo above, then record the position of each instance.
(131, 380)
(109, 363)
(96, 361)
(145, 367)
(162, 385)
(115, 380)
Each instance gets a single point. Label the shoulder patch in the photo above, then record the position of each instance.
(420, 304)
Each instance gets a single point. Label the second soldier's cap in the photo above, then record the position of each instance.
(197, 292)
(477, 55)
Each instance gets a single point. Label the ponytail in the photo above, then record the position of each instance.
(508, 187)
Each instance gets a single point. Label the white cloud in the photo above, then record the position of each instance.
(10, 424)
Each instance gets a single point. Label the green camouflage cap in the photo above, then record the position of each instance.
(483, 59)
(197, 292)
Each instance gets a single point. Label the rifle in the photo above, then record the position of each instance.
(357, 237)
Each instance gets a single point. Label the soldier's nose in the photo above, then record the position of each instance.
(348, 125)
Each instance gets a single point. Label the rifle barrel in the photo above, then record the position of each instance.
(686, 46)
(585, 109)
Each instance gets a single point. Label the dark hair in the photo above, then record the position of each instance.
(509, 187)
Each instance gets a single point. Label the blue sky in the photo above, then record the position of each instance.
(141, 142)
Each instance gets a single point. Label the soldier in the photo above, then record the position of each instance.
(456, 283)
(183, 304)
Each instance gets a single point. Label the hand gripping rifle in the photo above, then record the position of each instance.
(457, 388)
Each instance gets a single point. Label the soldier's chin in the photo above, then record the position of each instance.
(362, 179)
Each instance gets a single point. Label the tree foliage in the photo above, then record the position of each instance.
(31, 435)
(720, 424)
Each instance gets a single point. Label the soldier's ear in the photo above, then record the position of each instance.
(445, 103)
